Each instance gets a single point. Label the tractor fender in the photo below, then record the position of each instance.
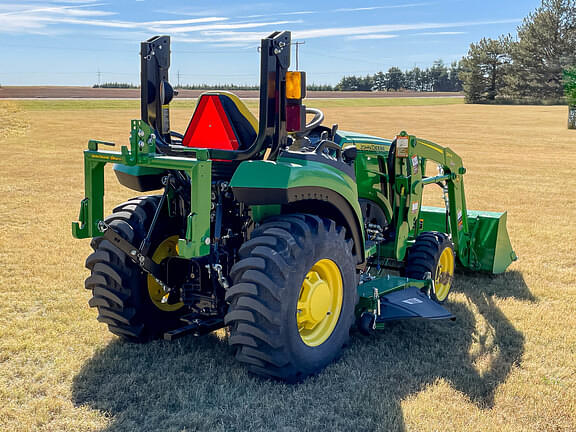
(298, 186)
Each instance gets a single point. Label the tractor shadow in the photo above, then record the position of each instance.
(194, 384)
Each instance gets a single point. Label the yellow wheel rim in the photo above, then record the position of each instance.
(165, 249)
(444, 274)
(319, 302)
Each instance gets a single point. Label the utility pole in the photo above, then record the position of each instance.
(99, 75)
(178, 78)
(297, 44)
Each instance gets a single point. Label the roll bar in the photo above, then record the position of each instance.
(156, 94)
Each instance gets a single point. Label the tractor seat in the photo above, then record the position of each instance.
(221, 121)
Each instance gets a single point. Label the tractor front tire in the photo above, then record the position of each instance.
(127, 298)
(432, 252)
(293, 299)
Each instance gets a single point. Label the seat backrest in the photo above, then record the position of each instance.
(221, 121)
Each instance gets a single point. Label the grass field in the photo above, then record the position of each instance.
(506, 364)
(188, 104)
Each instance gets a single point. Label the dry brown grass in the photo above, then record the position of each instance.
(507, 363)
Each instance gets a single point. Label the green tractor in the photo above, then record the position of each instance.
(288, 233)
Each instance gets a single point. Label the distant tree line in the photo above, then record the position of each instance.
(319, 87)
(311, 87)
(217, 86)
(437, 78)
(115, 85)
(528, 68)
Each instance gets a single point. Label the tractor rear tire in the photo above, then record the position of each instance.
(432, 252)
(293, 299)
(126, 297)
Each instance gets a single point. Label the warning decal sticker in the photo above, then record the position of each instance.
(414, 164)
(402, 143)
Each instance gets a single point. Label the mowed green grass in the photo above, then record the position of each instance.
(103, 104)
(506, 364)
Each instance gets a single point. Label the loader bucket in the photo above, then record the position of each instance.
(490, 248)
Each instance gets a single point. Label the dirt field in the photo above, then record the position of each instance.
(506, 364)
(16, 92)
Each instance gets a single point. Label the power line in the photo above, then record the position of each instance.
(297, 45)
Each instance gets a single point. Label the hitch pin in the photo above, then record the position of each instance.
(221, 278)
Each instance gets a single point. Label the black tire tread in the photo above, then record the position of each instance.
(264, 264)
(424, 254)
(113, 273)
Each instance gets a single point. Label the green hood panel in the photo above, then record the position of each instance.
(344, 137)
(295, 173)
(290, 181)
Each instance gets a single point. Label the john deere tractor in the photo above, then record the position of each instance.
(283, 230)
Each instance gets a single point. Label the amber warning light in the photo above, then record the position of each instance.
(295, 92)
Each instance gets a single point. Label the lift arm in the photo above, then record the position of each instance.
(480, 238)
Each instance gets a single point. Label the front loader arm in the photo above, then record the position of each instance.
(453, 177)
(480, 238)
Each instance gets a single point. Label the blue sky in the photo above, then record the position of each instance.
(67, 42)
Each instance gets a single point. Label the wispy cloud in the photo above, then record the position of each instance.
(281, 14)
(51, 16)
(362, 32)
(371, 8)
(190, 29)
(179, 22)
(48, 18)
(69, 1)
(221, 37)
(355, 9)
(374, 36)
(21, 9)
(75, 2)
(300, 13)
(441, 33)
(18, 18)
(388, 28)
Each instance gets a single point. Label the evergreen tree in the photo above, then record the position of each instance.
(394, 79)
(426, 80)
(410, 79)
(379, 81)
(319, 87)
(546, 45)
(438, 75)
(348, 83)
(354, 83)
(419, 79)
(437, 78)
(484, 69)
(366, 83)
(455, 83)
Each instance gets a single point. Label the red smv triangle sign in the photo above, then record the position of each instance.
(210, 127)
